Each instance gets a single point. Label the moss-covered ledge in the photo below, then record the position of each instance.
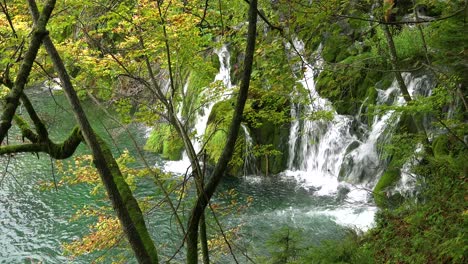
(62, 150)
(381, 193)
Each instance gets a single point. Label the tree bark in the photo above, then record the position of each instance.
(221, 165)
(394, 63)
(13, 98)
(415, 118)
(124, 203)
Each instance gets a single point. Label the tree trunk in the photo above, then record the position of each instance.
(125, 205)
(13, 98)
(415, 119)
(221, 165)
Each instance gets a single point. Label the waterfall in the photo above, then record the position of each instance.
(316, 147)
(201, 119)
(326, 156)
(224, 75)
(342, 157)
(249, 159)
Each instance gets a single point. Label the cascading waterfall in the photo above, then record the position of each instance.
(317, 147)
(338, 157)
(224, 76)
(330, 156)
(249, 159)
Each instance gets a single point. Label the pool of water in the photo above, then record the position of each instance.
(34, 223)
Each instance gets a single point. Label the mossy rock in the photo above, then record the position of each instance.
(407, 124)
(200, 77)
(221, 112)
(336, 48)
(219, 121)
(214, 147)
(215, 60)
(268, 118)
(215, 134)
(269, 134)
(440, 146)
(164, 140)
(339, 86)
(388, 180)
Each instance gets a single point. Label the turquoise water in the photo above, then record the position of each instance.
(34, 223)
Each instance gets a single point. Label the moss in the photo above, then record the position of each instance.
(216, 136)
(215, 60)
(335, 48)
(221, 112)
(440, 146)
(201, 75)
(390, 177)
(270, 134)
(339, 85)
(215, 145)
(124, 193)
(268, 117)
(165, 141)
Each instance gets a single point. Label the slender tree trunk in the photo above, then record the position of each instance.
(416, 120)
(394, 63)
(13, 98)
(221, 165)
(124, 203)
(203, 234)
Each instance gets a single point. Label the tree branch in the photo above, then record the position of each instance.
(123, 201)
(39, 32)
(217, 175)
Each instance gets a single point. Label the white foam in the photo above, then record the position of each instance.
(355, 217)
(178, 166)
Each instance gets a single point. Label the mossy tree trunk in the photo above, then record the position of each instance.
(13, 98)
(216, 176)
(123, 201)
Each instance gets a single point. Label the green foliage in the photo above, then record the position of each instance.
(289, 245)
(448, 40)
(165, 140)
(336, 48)
(216, 143)
(285, 246)
(346, 250)
(430, 229)
(216, 135)
(381, 191)
(268, 106)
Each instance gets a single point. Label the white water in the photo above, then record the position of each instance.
(53, 85)
(328, 156)
(181, 166)
(249, 159)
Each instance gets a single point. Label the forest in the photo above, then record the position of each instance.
(233, 131)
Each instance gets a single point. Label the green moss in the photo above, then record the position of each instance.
(216, 142)
(336, 48)
(128, 201)
(201, 76)
(216, 136)
(440, 146)
(390, 177)
(165, 141)
(221, 112)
